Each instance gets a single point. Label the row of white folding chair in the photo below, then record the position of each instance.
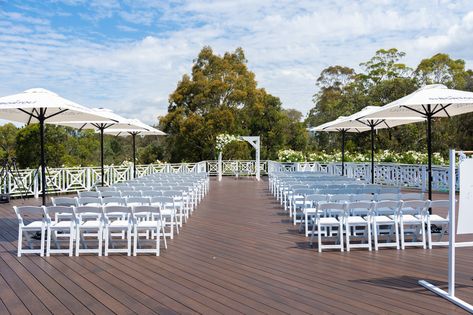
(79, 222)
(176, 214)
(380, 219)
(299, 200)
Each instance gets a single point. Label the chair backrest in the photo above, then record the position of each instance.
(87, 210)
(387, 207)
(91, 201)
(389, 190)
(414, 206)
(130, 193)
(114, 201)
(340, 198)
(388, 196)
(369, 190)
(50, 211)
(411, 196)
(362, 197)
(359, 208)
(162, 201)
(104, 189)
(37, 212)
(303, 191)
(95, 194)
(153, 210)
(137, 201)
(64, 201)
(111, 194)
(316, 198)
(116, 209)
(172, 193)
(332, 208)
(151, 193)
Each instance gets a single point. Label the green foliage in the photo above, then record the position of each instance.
(383, 79)
(8, 134)
(221, 96)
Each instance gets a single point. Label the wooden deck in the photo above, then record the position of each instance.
(238, 254)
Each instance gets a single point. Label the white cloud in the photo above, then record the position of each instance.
(287, 44)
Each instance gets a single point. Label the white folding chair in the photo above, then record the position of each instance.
(65, 226)
(385, 224)
(353, 222)
(123, 225)
(36, 226)
(95, 194)
(328, 225)
(89, 223)
(168, 213)
(411, 222)
(153, 225)
(438, 222)
(310, 210)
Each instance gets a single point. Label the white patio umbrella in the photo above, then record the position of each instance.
(332, 126)
(43, 106)
(137, 128)
(99, 126)
(359, 123)
(430, 101)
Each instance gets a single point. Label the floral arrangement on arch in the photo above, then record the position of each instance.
(223, 139)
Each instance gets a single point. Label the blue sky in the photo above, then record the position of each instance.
(129, 55)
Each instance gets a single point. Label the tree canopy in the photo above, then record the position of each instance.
(382, 79)
(221, 96)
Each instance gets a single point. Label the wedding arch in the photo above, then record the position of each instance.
(224, 139)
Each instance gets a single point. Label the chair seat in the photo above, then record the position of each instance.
(119, 224)
(435, 218)
(329, 221)
(383, 219)
(61, 224)
(167, 212)
(148, 224)
(408, 218)
(356, 220)
(91, 224)
(33, 225)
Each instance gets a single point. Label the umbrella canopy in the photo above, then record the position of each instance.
(332, 126)
(114, 120)
(136, 128)
(430, 101)
(359, 122)
(43, 106)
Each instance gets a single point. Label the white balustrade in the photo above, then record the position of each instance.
(64, 180)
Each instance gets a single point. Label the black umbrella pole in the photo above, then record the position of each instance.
(42, 161)
(102, 174)
(372, 155)
(134, 156)
(343, 152)
(429, 155)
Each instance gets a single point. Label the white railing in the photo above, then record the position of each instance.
(64, 180)
(26, 182)
(405, 175)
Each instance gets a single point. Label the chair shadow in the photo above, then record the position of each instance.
(406, 284)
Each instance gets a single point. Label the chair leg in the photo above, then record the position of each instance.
(107, 240)
(164, 236)
(368, 227)
(43, 236)
(129, 242)
(401, 223)
(20, 241)
(48, 243)
(319, 238)
(100, 237)
(71, 241)
(375, 235)
(135, 241)
(340, 230)
(429, 233)
(158, 238)
(77, 240)
(347, 236)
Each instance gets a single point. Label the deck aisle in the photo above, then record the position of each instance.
(238, 254)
